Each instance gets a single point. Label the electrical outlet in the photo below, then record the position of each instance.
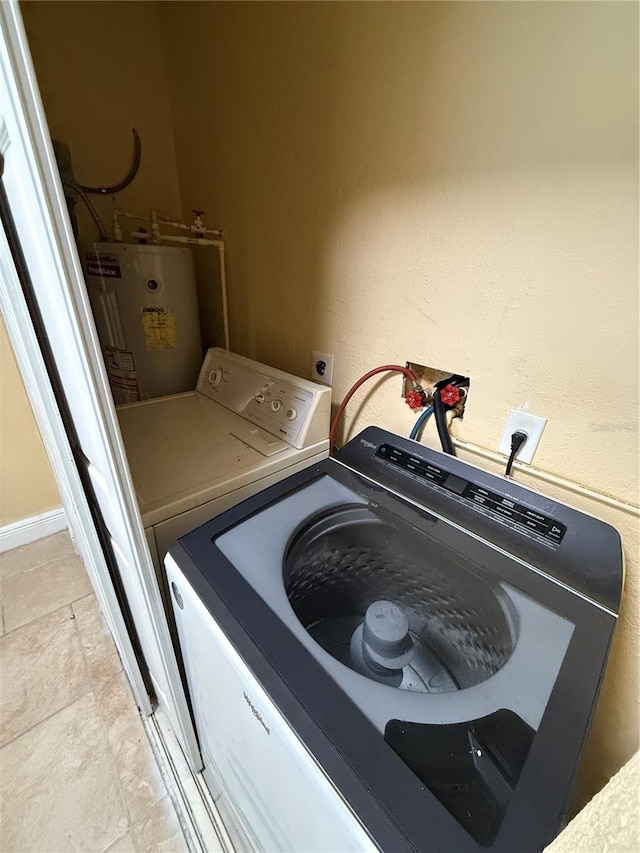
(532, 425)
(322, 367)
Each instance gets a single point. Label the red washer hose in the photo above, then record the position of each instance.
(383, 369)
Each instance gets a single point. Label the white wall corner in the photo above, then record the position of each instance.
(27, 530)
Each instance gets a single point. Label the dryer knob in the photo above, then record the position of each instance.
(215, 377)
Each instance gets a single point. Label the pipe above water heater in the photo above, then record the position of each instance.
(223, 292)
(157, 237)
(182, 226)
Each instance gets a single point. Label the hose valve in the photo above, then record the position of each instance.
(416, 398)
(450, 395)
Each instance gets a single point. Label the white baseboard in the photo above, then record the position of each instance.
(27, 530)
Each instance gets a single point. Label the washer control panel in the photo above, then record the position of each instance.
(562, 543)
(294, 409)
(522, 517)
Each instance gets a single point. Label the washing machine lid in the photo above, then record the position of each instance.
(402, 806)
(185, 450)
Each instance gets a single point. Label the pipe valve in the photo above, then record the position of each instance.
(450, 395)
(416, 398)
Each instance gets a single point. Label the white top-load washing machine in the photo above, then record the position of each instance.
(395, 650)
(195, 454)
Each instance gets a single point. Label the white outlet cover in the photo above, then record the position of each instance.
(325, 378)
(532, 425)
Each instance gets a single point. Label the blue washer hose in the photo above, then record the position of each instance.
(421, 421)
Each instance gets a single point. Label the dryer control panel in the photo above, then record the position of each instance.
(294, 410)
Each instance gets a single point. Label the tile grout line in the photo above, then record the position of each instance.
(45, 719)
(129, 831)
(114, 767)
(68, 609)
(43, 565)
(72, 553)
(71, 618)
(44, 615)
(90, 691)
(105, 735)
(131, 828)
(55, 609)
(131, 823)
(104, 726)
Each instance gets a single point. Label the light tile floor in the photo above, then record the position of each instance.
(76, 769)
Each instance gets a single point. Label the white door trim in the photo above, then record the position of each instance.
(39, 209)
(54, 437)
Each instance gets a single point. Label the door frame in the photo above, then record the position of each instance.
(38, 207)
(39, 390)
(33, 369)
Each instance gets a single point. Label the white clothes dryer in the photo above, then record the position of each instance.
(193, 455)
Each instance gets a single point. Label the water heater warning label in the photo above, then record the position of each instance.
(122, 374)
(159, 328)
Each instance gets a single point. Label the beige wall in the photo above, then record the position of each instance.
(610, 822)
(454, 183)
(27, 486)
(100, 71)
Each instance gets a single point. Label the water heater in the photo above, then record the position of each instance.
(145, 306)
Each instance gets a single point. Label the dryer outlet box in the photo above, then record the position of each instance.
(322, 367)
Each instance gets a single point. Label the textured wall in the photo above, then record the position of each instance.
(454, 183)
(611, 821)
(100, 71)
(451, 182)
(26, 483)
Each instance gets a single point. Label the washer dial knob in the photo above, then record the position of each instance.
(215, 376)
(259, 398)
(276, 405)
(292, 414)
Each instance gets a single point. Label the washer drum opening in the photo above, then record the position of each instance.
(354, 558)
